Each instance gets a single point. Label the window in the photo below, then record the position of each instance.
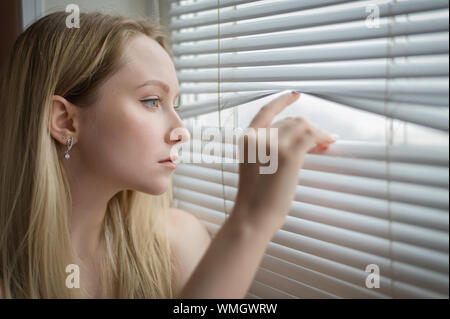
(375, 73)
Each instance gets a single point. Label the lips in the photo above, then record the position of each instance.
(166, 160)
(169, 159)
(168, 163)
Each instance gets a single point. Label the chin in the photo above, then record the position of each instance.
(161, 192)
(156, 188)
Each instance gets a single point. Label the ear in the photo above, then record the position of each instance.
(63, 119)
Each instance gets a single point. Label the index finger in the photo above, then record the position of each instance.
(267, 113)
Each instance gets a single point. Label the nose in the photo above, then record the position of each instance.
(178, 132)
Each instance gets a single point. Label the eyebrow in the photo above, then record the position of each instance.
(163, 85)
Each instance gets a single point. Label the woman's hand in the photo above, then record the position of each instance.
(264, 200)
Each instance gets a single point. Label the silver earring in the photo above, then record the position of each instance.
(69, 145)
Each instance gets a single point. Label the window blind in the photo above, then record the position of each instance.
(359, 203)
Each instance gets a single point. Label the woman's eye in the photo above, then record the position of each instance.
(151, 102)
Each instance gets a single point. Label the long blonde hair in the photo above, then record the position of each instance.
(35, 244)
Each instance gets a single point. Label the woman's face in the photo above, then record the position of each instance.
(127, 131)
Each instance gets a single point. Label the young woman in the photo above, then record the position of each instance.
(86, 121)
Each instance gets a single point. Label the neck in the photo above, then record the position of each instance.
(90, 196)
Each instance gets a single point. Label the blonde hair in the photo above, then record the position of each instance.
(35, 244)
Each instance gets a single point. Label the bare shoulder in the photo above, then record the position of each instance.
(186, 223)
(189, 240)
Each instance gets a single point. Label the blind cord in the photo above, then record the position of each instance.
(220, 111)
(389, 137)
(405, 124)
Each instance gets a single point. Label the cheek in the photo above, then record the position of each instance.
(125, 147)
(141, 148)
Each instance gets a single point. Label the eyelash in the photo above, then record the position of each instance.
(160, 101)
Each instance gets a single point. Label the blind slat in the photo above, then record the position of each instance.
(414, 281)
(424, 115)
(355, 204)
(203, 5)
(290, 286)
(409, 173)
(419, 114)
(267, 292)
(404, 227)
(307, 19)
(252, 296)
(416, 87)
(312, 278)
(401, 192)
(322, 71)
(228, 100)
(418, 256)
(318, 35)
(406, 153)
(261, 10)
(399, 46)
(367, 225)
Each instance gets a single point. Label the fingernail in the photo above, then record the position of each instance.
(295, 93)
(334, 137)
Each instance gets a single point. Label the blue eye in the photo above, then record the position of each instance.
(152, 105)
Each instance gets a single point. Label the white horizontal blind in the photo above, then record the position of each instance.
(360, 203)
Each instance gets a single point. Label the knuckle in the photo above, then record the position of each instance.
(308, 131)
(299, 130)
(299, 140)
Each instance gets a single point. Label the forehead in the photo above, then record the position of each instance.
(145, 59)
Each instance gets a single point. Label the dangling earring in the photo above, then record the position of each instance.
(69, 145)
